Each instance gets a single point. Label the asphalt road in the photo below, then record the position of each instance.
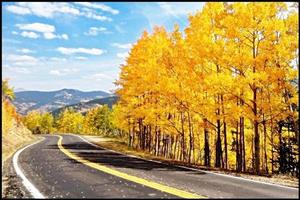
(56, 175)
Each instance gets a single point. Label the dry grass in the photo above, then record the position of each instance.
(17, 136)
(118, 145)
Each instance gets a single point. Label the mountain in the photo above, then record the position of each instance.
(26, 101)
(84, 106)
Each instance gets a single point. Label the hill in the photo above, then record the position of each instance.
(26, 101)
(84, 106)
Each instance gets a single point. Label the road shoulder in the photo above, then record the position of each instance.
(12, 186)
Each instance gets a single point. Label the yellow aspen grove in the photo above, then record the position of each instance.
(221, 94)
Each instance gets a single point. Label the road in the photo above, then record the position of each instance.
(68, 167)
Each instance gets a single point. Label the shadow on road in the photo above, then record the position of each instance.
(106, 157)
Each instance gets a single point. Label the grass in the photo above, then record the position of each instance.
(16, 137)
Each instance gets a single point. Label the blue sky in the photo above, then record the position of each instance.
(50, 46)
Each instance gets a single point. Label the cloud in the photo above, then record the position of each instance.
(98, 6)
(58, 59)
(49, 35)
(18, 10)
(70, 70)
(30, 34)
(43, 9)
(98, 77)
(47, 30)
(122, 55)
(62, 72)
(88, 13)
(51, 9)
(80, 58)
(20, 70)
(20, 60)
(96, 30)
(55, 72)
(91, 51)
(65, 36)
(179, 8)
(25, 51)
(14, 32)
(122, 46)
(38, 27)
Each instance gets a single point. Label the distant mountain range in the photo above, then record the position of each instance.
(26, 101)
(83, 107)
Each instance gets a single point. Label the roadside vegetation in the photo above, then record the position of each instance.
(223, 94)
(14, 133)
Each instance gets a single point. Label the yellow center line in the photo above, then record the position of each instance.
(151, 184)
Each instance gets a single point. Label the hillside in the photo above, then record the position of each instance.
(14, 133)
(26, 101)
(84, 106)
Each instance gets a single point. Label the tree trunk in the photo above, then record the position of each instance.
(225, 145)
(218, 145)
(183, 140)
(256, 135)
(242, 135)
(265, 147)
(191, 139)
(206, 147)
(238, 160)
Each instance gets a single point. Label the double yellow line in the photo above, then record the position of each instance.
(157, 186)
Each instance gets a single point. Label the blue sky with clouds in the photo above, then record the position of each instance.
(50, 46)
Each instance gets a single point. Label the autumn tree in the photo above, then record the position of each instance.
(218, 93)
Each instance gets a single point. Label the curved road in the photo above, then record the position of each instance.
(77, 169)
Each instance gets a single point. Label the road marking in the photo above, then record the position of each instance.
(29, 186)
(193, 169)
(157, 186)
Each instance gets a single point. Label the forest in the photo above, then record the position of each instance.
(222, 93)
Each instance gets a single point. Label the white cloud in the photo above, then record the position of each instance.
(96, 30)
(49, 35)
(80, 58)
(91, 14)
(98, 77)
(20, 70)
(179, 8)
(62, 72)
(47, 30)
(47, 9)
(25, 51)
(68, 51)
(14, 32)
(29, 34)
(52, 9)
(122, 46)
(122, 55)
(58, 59)
(18, 10)
(38, 27)
(19, 60)
(65, 36)
(67, 70)
(55, 72)
(99, 6)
